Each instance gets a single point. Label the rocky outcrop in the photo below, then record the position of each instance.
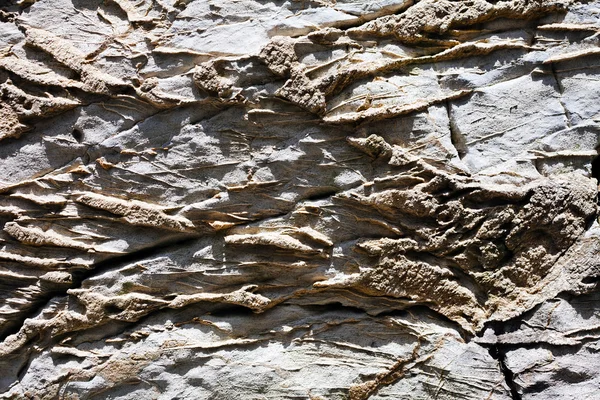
(317, 200)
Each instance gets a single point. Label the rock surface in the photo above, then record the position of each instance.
(252, 199)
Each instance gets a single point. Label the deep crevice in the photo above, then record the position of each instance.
(457, 140)
(230, 311)
(589, 280)
(77, 135)
(333, 307)
(499, 354)
(321, 195)
(596, 168)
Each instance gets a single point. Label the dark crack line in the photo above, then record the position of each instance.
(95, 269)
(499, 354)
(152, 250)
(561, 90)
(455, 136)
(140, 254)
(101, 266)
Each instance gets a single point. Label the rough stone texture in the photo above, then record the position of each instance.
(252, 199)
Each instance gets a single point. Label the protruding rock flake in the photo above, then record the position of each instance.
(318, 199)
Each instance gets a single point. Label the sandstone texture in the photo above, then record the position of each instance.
(302, 199)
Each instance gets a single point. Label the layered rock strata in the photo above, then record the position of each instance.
(299, 200)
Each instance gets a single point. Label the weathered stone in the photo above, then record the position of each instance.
(306, 199)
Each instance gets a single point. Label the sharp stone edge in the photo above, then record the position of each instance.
(318, 200)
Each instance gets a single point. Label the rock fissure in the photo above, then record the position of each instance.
(497, 353)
